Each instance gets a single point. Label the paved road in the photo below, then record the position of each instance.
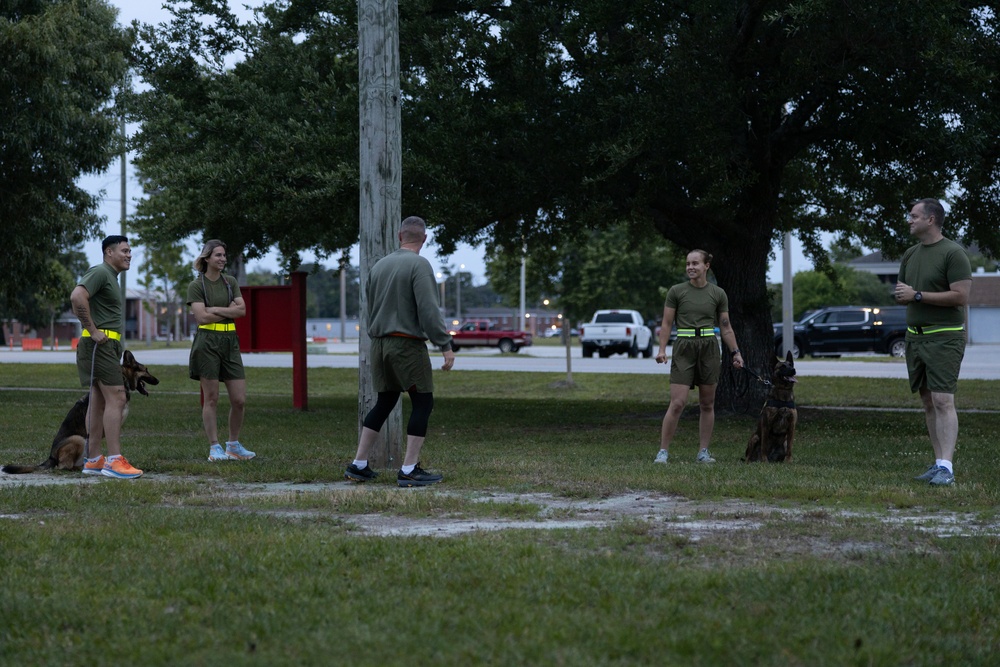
(982, 362)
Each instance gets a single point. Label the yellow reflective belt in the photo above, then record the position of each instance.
(218, 327)
(932, 330)
(113, 335)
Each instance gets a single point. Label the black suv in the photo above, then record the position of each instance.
(831, 331)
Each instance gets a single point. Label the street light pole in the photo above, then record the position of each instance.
(458, 293)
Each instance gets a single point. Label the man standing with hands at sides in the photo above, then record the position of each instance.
(97, 302)
(403, 315)
(698, 307)
(935, 277)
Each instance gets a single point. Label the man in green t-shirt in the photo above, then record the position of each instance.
(97, 302)
(934, 282)
(403, 316)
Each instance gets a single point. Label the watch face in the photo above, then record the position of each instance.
(918, 296)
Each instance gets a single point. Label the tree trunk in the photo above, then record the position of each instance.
(740, 268)
(380, 185)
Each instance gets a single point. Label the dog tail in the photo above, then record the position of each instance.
(20, 470)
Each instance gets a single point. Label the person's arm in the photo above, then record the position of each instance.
(957, 294)
(80, 300)
(729, 338)
(665, 325)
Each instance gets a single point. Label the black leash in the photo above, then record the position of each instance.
(744, 383)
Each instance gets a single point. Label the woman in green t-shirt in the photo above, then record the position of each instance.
(698, 307)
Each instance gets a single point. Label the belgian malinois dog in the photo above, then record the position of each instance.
(772, 441)
(68, 447)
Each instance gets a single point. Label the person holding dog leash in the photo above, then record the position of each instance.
(935, 278)
(97, 302)
(698, 307)
(215, 300)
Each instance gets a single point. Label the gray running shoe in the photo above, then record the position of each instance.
(661, 456)
(943, 477)
(419, 477)
(927, 474)
(705, 457)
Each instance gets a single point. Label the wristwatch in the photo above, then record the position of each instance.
(918, 296)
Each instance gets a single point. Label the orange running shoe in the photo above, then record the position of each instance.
(120, 468)
(94, 467)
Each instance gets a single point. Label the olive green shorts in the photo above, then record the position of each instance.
(215, 355)
(401, 364)
(107, 366)
(934, 362)
(696, 361)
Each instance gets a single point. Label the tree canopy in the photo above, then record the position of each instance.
(262, 152)
(62, 61)
(710, 123)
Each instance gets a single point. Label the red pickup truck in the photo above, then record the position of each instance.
(483, 333)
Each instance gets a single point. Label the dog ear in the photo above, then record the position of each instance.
(789, 358)
(128, 357)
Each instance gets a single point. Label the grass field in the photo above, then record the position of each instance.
(593, 556)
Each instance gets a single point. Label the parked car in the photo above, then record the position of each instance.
(483, 333)
(556, 332)
(836, 329)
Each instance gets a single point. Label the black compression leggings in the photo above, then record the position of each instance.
(423, 404)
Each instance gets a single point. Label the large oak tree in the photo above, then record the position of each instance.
(718, 124)
(61, 62)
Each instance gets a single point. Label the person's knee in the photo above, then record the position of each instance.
(237, 401)
(942, 402)
(423, 405)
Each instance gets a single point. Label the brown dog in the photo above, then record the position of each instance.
(772, 441)
(68, 446)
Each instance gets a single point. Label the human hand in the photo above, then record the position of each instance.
(661, 358)
(449, 360)
(903, 293)
(737, 359)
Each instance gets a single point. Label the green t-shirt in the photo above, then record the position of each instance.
(697, 307)
(101, 282)
(214, 293)
(402, 298)
(933, 268)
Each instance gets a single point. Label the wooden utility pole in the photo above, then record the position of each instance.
(380, 180)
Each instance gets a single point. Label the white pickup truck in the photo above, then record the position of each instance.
(616, 331)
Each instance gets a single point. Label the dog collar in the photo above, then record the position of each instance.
(775, 403)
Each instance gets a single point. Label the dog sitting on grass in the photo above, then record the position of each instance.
(69, 446)
(772, 441)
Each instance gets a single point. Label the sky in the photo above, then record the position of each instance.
(151, 11)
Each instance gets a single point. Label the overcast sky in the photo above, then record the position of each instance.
(151, 11)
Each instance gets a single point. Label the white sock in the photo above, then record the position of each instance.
(94, 460)
(942, 463)
(408, 469)
(232, 442)
(112, 458)
(361, 464)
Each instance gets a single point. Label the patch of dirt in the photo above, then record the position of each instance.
(687, 521)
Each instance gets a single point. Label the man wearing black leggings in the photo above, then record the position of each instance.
(403, 316)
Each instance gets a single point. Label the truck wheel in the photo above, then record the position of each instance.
(603, 354)
(648, 352)
(506, 345)
(633, 351)
(588, 351)
(897, 347)
(779, 349)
